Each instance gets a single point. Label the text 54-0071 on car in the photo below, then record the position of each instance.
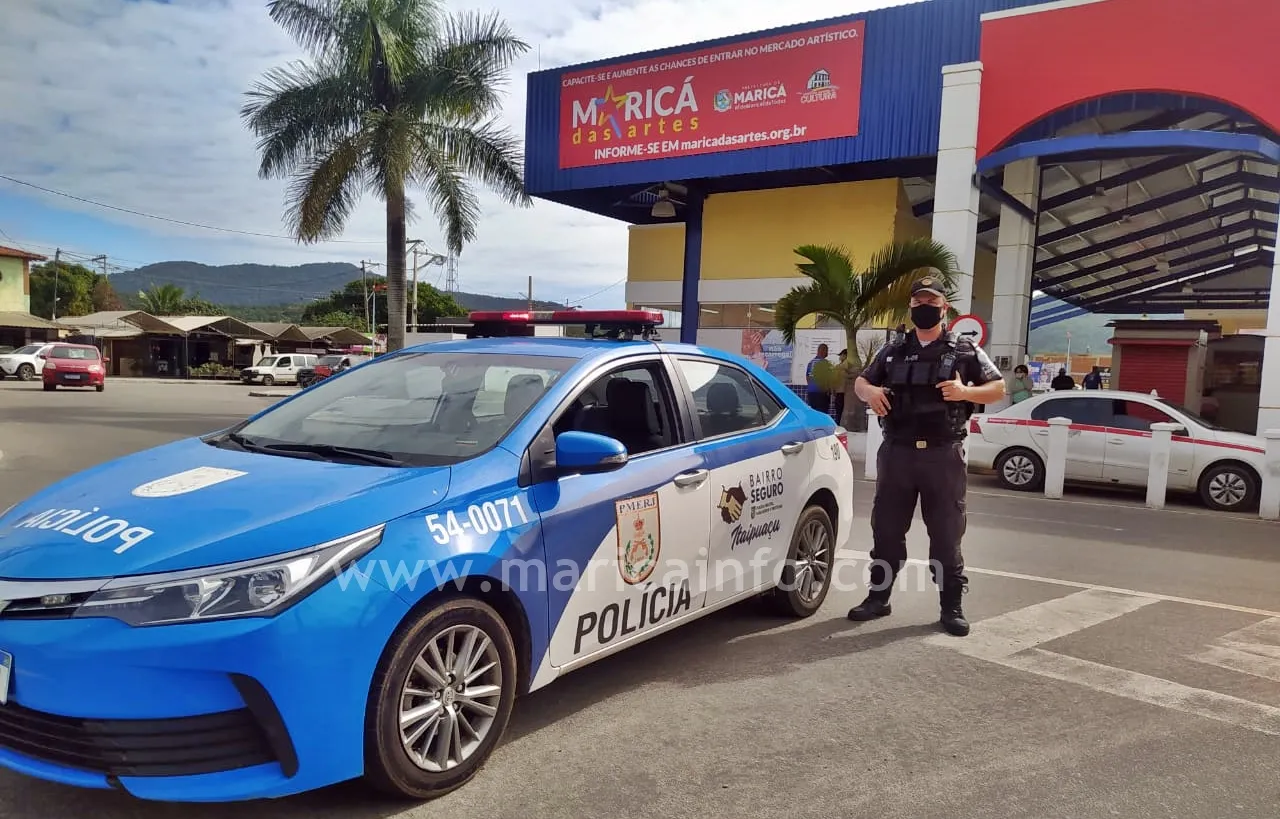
(361, 579)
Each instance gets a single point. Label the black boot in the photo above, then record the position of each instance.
(952, 619)
(870, 609)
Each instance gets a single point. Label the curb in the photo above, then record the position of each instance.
(269, 394)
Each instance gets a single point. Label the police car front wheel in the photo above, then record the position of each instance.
(807, 573)
(441, 700)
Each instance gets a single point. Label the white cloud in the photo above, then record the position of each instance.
(136, 103)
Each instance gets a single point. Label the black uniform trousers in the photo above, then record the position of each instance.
(936, 476)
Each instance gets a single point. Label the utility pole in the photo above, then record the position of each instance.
(531, 294)
(57, 263)
(364, 280)
(103, 260)
(414, 295)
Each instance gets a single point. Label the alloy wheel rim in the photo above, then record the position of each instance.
(1018, 470)
(1228, 489)
(813, 557)
(450, 698)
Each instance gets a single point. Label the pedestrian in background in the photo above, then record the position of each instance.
(924, 389)
(817, 378)
(841, 384)
(1020, 387)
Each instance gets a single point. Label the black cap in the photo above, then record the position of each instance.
(928, 284)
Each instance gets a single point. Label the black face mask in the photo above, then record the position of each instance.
(926, 316)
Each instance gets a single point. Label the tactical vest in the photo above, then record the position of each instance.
(917, 410)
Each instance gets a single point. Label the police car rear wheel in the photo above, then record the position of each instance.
(441, 700)
(1020, 469)
(807, 573)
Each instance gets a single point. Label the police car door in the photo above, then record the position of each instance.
(623, 547)
(760, 461)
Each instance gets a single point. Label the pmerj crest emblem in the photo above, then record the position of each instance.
(639, 537)
(723, 100)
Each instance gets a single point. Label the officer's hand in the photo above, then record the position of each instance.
(878, 401)
(954, 390)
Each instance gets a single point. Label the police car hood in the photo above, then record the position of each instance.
(189, 505)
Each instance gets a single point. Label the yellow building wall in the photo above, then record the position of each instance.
(1232, 321)
(753, 234)
(13, 285)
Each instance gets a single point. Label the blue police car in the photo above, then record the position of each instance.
(360, 580)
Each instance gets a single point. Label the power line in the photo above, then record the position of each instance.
(600, 291)
(176, 221)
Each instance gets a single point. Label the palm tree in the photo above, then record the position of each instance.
(397, 94)
(162, 299)
(855, 299)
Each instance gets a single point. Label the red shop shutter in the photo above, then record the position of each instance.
(1160, 368)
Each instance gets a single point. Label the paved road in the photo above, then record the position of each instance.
(1123, 663)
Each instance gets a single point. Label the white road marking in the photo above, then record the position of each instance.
(1073, 524)
(1145, 688)
(1241, 662)
(1011, 640)
(1007, 634)
(850, 554)
(1253, 650)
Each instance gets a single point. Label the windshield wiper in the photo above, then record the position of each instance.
(369, 456)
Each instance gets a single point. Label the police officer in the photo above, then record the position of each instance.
(924, 386)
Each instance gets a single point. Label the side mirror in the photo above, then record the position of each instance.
(42, 357)
(588, 452)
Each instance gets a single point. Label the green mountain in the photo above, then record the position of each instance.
(1089, 334)
(270, 287)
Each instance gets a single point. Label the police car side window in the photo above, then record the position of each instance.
(631, 405)
(725, 398)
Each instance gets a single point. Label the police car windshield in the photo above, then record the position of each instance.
(423, 409)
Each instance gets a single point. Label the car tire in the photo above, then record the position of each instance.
(100, 387)
(49, 387)
(810, 562)
(1229, 487)
(389, 768)
(26, 372)
(268, 381)
(1020, 470)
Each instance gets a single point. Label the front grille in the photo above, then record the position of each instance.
(183, 746)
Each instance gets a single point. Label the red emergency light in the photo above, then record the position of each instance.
(598, 323)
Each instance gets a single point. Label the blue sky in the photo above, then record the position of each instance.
(135, 103)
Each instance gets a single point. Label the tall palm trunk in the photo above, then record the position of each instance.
(395, 270)
(855, 415)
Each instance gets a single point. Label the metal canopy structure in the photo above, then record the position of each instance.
(1150, 212)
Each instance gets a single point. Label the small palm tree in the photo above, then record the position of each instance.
(162, 299)
(855, 299)
(397, 93)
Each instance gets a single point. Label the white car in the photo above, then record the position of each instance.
(277, 369)
(23, 363)
(1109, 442)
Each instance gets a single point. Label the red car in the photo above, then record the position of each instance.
(73, 365)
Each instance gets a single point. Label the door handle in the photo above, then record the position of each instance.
(1116, 441)
(792, 448)
(691, 478)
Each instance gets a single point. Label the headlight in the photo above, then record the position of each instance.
(257, 589)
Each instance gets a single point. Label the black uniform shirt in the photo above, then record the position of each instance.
(972, 365)
(976, 369)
